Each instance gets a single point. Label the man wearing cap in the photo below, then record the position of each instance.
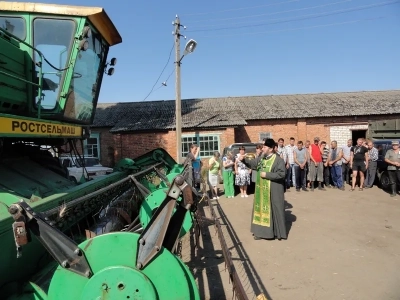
(316, 164)
(268, 217)
(392, 158)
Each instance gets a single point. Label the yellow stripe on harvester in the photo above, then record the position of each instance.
(11, 126)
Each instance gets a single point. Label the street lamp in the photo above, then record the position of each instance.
(189, 48)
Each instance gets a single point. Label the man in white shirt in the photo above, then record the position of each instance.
(290, 170)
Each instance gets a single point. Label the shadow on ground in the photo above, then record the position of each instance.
(289, 217)
(249, 277)
(201, 252)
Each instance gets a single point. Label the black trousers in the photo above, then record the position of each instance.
(327, 176)
(346, 173)
(394, 177)
(300, 177)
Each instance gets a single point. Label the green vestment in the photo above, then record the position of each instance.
(268, 217)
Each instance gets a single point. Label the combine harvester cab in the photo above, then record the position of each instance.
(113, 237)
(52, 62)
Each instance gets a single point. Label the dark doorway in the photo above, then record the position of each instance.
(356, 134)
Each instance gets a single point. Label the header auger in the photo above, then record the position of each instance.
(122, 256)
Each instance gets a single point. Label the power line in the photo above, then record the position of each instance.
(275, 13)
(241, 8)
(169, 58)
(169, 75)
(292, 29)
(305, 17)
(163, 84)
(158, 88)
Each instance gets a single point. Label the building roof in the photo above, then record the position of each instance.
(234, 111)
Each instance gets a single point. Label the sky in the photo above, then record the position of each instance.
(258, 47)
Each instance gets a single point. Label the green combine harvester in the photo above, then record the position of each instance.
(114, 237)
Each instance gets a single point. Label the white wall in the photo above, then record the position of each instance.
(343, 133)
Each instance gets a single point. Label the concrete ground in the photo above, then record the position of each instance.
(341, 245)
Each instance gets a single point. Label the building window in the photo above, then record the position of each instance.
(265, 135)
(92, 145)
(208, 144)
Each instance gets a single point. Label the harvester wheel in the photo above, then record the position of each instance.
(112, 258)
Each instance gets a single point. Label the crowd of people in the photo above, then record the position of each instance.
(275, 168)
(316, 165)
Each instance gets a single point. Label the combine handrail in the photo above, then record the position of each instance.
(237, 286)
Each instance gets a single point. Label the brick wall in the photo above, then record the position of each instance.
(117, 146)
(134, 145)
(344, 132)
(299, 129)
(278, 129)
(302, 130)
(317, 129)
(107, 147)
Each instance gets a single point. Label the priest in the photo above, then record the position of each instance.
(268, 216)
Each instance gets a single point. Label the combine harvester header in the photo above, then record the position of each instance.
(113, 237)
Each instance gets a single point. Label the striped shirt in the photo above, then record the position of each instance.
(373, 154)
(325, 155)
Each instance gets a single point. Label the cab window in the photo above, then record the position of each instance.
(53, 38)
(14, 25)
(85, 83)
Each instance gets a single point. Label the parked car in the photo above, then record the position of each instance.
(93, 169)
(382, 173)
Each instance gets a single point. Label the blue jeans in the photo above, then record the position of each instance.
(291, 175)
(336, 173)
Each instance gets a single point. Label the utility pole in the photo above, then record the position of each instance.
(189, 48)
(178, 106)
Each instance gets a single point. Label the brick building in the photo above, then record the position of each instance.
(130, 129)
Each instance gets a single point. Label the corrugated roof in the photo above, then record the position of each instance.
(234, 111)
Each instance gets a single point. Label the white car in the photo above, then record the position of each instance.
(93, 169)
